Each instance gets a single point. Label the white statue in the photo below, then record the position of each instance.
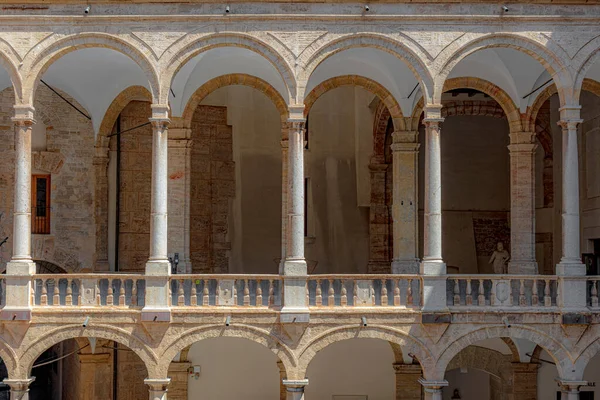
(500, 259)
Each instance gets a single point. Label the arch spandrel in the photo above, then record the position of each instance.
(36, 63)
(10, 65)
(174, 58)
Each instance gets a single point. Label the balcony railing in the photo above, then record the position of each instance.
(515, 292)
(502, 290)
(331, 291)
(226, 290)
(88, 290)
(40, 220)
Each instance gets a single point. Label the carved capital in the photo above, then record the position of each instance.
(522, 137)
(569, 124)
(296, 113)
(570, 386)
(160, 112)
(24, 115)
(433, 111)
(158, 385)
(405, 137)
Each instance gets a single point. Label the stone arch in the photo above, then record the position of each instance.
(116, 107)
(585, 356)
(408, 343)
(513, 348)
(549, 60)
(414, 61)
(380, 126)
(588, 85)
(591, 59)
(10, 359)
(176, 57)
(372, 86)
(481, 358)
(545, 340)
(38, 62)
(257, 335)
(108, 332)
(11, 68)
(235, 79)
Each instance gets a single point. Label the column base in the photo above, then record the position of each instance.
(522, 267)
(157, 301)
(405, 266)
(432, 267)
(295, 300)
(295, 267)
(570, 268)
(18, 281)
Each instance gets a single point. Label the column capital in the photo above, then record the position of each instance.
(160, 111)
(432, 386)
(433, 111)
(158, 385)
(405, 141)
(296, 385)
(296, 113)
(24, 114)
(19, 385)
(522, 137)
(569, 124)
(570, 385)
(570, 112)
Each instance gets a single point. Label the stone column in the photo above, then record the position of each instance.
(157, 388)
(522, 203)
(21, 266)
(408, 386)
(285, 128)
(524, 382)
(295, 389)
(572, 292)
(158, 268)
(179, 197)
(570, 389)
(433, 266)
(432, 390)
(405, 149)
(19, 388)
(294, 268)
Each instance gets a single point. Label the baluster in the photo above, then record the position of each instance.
(205, 294)
(331, 294)
(594, 294)
(306, 293)
(547, 298)
(78, 286)
(122, 293)
(372, 292)
(534, 293)
(218, 292)
(480, 294)
(44, 298)
(97, 289)
(469, 296)
(396, 283)
(180, 293)
(344, 299)
(271, 300)
(409, 293)
(456, 293)
(69, 296)
(246, 293)
(194, 292)
(318, 294)
(493, 293)
(56, 297)
(32, 292)
(235, 302)
(134, 292)
(384, 295)
(355, 293)
(259, 299)
(522, 299)
(110, 297)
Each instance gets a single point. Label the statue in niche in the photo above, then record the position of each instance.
(499, 259)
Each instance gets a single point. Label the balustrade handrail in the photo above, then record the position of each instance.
(502, 277)
(227, 276)
(364, 276)
(89, 276)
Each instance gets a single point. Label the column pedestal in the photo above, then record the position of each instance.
(295, 389)
(157, 388)
(19, 388)
(408, 386)
(405, 149)
(432, 390)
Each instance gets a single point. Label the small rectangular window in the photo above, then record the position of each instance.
(40, 199)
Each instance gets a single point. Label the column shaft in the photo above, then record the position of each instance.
(295, 220)
(22, 196)
(522, 204)
(432, 246)
(158, 218)
(284, 195)
(405, 204)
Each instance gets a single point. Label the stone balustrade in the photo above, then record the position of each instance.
(226, 290)
(364, 291)
(322, 291)
(88, 290)
(502, 291)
